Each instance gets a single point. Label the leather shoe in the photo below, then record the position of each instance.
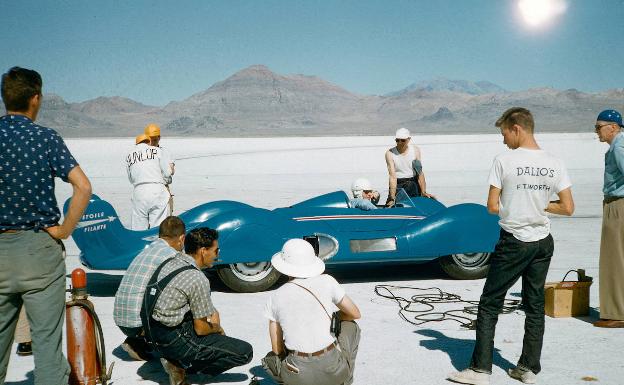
(176, 374)
(136, 348)
(609, 323)
(24, 349)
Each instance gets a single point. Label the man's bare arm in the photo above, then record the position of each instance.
(211, 325)
(277, 338)
(392, 180)
(79, 201)
(348, 309)
(493, 201)
(563, 206)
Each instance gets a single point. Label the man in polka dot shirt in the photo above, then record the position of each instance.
(32, 268)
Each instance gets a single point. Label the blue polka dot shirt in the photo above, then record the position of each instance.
(31, 156)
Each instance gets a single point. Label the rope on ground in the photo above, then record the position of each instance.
(420, 308)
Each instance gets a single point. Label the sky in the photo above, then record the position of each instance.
(155, 52)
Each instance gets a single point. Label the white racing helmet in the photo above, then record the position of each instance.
(359, 185)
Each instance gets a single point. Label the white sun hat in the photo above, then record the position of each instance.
(402, 133)
(297, 259)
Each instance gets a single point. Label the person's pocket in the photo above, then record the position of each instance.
(44, 258)
(45, 249)
(291, 367)
(169, 339)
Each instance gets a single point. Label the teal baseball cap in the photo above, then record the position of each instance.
(610, 116)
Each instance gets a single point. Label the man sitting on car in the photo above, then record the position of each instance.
(364, 197)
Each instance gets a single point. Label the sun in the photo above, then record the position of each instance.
(538, 12)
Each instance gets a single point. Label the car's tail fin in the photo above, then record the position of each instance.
(103, 241)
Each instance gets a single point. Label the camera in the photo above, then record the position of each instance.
(334, 326)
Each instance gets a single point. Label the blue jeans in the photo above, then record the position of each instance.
(212, 354)
(512, 260)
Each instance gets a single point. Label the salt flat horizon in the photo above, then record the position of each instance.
(280, 171)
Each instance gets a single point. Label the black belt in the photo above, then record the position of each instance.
(609, 199)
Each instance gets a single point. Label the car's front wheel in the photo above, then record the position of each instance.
(248, 277)
(466, 265)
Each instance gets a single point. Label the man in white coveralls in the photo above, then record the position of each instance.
(149, 172)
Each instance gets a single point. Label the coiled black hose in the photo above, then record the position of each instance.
(422, 306)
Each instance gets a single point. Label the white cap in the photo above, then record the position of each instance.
(297, 259)
(402, 133)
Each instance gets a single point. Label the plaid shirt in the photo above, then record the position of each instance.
(129, 297)
(188, 291)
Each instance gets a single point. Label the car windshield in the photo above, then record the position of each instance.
(402, 199)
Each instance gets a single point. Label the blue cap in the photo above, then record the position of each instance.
(610, 116)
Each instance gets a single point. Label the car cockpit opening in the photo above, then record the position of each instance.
(325, 246)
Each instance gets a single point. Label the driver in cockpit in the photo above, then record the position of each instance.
(364, 197)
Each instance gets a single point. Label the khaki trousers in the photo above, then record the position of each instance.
(32, 276)
(612, 261)
(332, 368)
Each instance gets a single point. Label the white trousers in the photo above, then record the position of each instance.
(149, 205)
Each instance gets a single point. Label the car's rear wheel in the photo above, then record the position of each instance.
(466, 265)
(248, 277)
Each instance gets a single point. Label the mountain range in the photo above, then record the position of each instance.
(258, 102)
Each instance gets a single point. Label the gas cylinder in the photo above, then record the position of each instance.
(85, 348)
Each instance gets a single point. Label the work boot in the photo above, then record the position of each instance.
(24, 349)
(470, 376)
(524, 375)
(176, 373)
(136, 348)
(609, 323)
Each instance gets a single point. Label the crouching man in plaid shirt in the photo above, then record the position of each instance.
(129, 297)
(179, 318)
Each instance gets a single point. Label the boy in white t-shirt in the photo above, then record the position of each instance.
(521, 185)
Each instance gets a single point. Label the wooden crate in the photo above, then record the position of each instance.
(567, 298)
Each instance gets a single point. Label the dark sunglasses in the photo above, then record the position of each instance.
(401, 140)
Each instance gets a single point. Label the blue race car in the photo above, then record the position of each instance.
(416, 229)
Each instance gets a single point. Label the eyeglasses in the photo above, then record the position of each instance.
(599, 126)
(208, 248)
(367, 191)
(401, 140)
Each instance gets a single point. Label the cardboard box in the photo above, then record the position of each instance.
(567, 298)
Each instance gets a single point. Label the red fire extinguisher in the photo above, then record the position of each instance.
(85, 340)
